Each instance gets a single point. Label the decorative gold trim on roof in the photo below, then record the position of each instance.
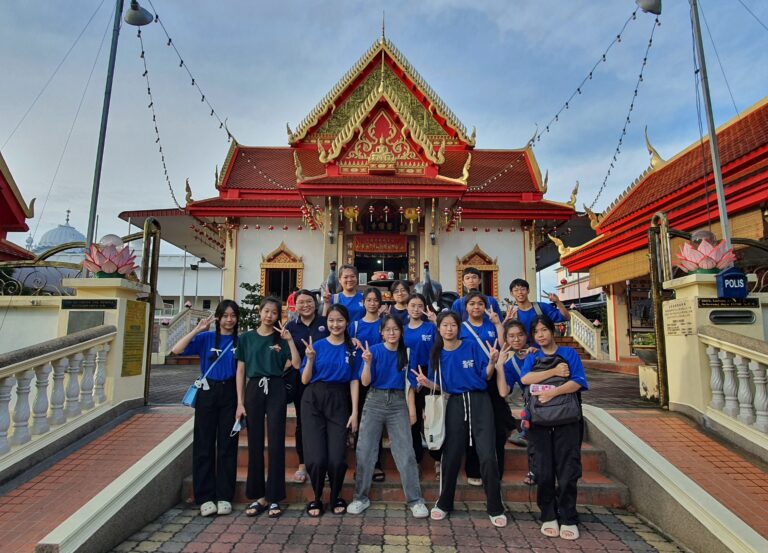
(216, 181)
(656, 159)
(29, 210)
(562, 249)
(188, 190)
(381, 45)
(572, 201)
(465, 170)
(545, 182)
(594, 219)
(228, 160)
(297, 164)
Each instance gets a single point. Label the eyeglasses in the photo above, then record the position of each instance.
(390, 330)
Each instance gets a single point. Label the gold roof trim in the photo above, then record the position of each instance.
(562, 249)
(572, 201)
(297, 164)
(656, 159)
(464, 178)
(594, 218)
(380, 45)
(29, 210)
(227, 162)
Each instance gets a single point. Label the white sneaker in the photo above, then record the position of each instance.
(358, 506)
(419, 510)
(224, 508)
(207, 509)
(475, 481)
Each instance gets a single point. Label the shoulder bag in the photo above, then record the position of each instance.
(434, 416)
(190, 396)
(560, 410)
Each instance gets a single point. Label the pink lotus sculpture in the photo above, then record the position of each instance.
(704, 258)
(109, 260)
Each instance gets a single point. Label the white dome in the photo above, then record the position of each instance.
(60, 235)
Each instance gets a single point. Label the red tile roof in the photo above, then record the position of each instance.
(492, 171)
(11, 252)
(268, 168)
(237, 202)
(381, 179)
(735, 139)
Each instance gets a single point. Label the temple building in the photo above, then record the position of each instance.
(381, 174)
(14, 213)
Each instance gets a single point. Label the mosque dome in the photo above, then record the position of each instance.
(60, 235)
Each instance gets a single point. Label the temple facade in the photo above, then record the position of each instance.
(380, 174)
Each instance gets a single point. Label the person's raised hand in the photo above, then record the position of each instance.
(309, 352)
(285, 334)
(431, 316)
(493, 316)
(367, 355)
(493, 351)
(421, 378)
(204, 324)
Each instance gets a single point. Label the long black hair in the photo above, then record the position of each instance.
(402, 351)
(344, 312)
(472, 294)
(546, 321)
(278, 303)
(218, 314)
(372, 290)
(434, 356)
(422, 299)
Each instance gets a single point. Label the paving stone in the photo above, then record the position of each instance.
(395, 540)
(171, 547)
(148, 546)
(161, 536)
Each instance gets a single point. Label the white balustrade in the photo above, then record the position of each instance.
(57, 396)
(101, 373)
(716, 379)
(72, 401)
(6, 385)
(21, 433)
(86, 383)
(586, 334)
(40, 407)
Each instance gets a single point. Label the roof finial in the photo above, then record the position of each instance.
(656, 159)
(66, 222)
(381, 82)
(383, 33)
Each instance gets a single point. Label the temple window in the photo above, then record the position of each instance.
(281, 272)
(488, 267)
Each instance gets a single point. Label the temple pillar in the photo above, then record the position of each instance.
(618, 321)
(229, 278)
(332, 240)
(529, 262)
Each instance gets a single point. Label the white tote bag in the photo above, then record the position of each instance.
(434, 417)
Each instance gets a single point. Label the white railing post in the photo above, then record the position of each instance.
(86, 384)
(761, 397)
(57, 415)
(746, 410)
(40, 407)
(731, 407)
(6, 385)
(72, 403)
(715, 379)
(21, 433)
(101, 373)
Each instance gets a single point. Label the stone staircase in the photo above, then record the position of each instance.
(595, 487)
(571, 342)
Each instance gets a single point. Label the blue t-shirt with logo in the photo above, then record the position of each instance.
(569, 355)
(460, 307)
(365, 332)
(463, 369)
(204, 345)
(486, 332)
(419, 342)
(512, 370)
(354, 305)
(332, 363)
(385, 374)
(526, 317)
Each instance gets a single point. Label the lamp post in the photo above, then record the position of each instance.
(195, 267)
(137, 16)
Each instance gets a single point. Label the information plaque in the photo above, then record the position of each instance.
(134, 337)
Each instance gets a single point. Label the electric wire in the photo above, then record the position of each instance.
(628, 119)
(51, 77)
(717, 55)
(753, 15)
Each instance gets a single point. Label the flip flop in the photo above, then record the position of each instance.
(499, 521)
(529, 479)
(569, 532)
(315, 506)
(300, 476)
(437, 513)
(339, 504)
(551, 529)
(255, 509)
(274, 511)
(378, 475)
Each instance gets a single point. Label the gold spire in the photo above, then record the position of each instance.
(381, 79)
(383, 33)
(289, 131)
(656, 159)
(473, 136)
(216, 182)
(297, 163)
(594, 219)
(545, 182)
(572, 201)
(189, 192)
(562, 249)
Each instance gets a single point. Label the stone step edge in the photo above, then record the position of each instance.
(105, 521)
(710, 522)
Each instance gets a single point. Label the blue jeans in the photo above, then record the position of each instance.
(386, 407)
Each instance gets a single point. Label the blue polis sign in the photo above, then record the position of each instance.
(732, 283)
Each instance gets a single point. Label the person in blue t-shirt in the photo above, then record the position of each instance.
(525, 310)
(328, 372)
(419, 337)
(390, 404)
(214, 448)
(460, 368)
(558, 448)
(470, 280)
(400, 294)
(349, 297)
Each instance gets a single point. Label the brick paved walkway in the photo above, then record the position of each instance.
(735, 480)
(31, 509)
(387, 528)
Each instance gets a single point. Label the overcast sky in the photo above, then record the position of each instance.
(501, 66)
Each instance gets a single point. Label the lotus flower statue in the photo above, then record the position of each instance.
(704, 257)
(109, 258)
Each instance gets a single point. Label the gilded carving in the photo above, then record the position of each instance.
(282, 258)
(481, 261)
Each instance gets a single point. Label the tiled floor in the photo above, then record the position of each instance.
(739, 483)
(388, 528)
(31, 510)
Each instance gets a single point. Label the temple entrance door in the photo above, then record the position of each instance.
(371, 263)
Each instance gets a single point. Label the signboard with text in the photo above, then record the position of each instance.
(732, 283)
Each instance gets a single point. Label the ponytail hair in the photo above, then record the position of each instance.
(218, 314)
(402, 351)
(278, 303)
(437, 349)
(344, 312)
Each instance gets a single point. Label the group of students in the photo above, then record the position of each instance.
(362, 368)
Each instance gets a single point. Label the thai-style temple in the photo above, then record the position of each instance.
(682, 187)
(382, 174)
(14, 213)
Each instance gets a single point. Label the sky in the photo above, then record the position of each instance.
(502, 66)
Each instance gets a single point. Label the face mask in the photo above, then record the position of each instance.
(237, 427)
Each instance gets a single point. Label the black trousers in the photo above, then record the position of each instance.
(326, 408)
(503, 423)
(557, 468)
(361, 402)
(265, 398)
(297, 406)
(214, 453)
(476, 408)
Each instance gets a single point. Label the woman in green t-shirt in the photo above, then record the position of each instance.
(263, 355)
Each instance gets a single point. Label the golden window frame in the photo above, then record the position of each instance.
(282, 258)
(481, 261)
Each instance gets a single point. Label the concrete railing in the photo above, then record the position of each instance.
(183, 323)
(738, 376)
(586, 334)
(69, 376)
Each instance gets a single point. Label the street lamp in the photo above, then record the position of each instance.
(138, 17)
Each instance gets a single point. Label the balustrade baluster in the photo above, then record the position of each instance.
(746, 410)
(86, 383)
(6, 385)
(731, 407)
(101, 373)
(715, 379)
(57, 415)
(21, 433)
(761, 395)
(40, 407)
(72, 403)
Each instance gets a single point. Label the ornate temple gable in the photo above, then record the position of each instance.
(476, 258)
(333, 112)
(281, 256)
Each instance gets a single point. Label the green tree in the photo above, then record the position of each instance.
(249, 306)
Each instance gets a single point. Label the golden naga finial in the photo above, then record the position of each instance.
(572, 201)
(656, 159)
(31, 208)
(322, 154)
(594, 219)
(533, 138)
(297, 163)
(562, 249)
(216, 183)
(189, 193)
(545, 182)
(473, 136)
(465, 171)
(229, 133)
(441, 153)
(289, 131)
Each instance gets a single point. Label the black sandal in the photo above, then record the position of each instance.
(339, 504)
(378, 475)
(274, 511)
(255, 509)
(315, 506)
